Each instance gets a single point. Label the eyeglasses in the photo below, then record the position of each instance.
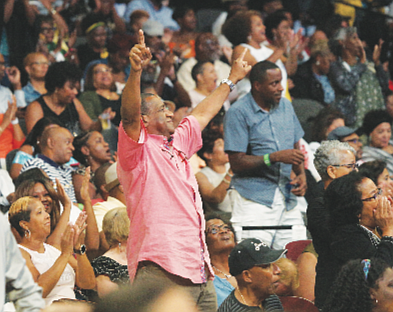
(40, 63)
(349, 166)
(103, 70)
(47, 29)
(163, 109)
(379, 192)
(218, 228)
(354, 141)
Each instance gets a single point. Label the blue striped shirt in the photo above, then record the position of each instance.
(54, 171)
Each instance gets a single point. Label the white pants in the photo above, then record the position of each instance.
(248, 213)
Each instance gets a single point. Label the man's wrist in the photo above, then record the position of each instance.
(230, 82)
(266, 160)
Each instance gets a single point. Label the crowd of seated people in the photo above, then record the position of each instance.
(61, 114)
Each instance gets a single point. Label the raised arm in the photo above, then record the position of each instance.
(212, 104)
(131, 100)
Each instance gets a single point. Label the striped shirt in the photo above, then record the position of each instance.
(231, 304)
(54, 171)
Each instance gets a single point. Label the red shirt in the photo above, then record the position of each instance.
(7, 140)
(165, 210)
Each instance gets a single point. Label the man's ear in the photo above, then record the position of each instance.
(27, 69)
(331, 171)
(50, 143)
(199, 78)
(145, 119)
(247, 276)
(257, 86)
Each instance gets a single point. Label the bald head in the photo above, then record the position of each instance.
(56, 144)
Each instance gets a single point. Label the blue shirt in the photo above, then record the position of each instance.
(31, 94)
(54, 171)
(163, 15)
(250, 129)
(223, 289)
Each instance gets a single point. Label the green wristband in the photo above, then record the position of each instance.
(266, 159)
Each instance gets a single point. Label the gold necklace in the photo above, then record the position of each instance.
(227, 276)
(244, 300)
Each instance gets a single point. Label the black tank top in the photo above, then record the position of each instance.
(69, 118)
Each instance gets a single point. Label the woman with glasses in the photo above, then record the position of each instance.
(377, 125)
(376, 170)
(362, 286)
(361, 226)
(100, 93)
(101, 101)
(220, 240)
(36, 65)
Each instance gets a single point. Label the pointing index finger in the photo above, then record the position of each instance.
(141, 37)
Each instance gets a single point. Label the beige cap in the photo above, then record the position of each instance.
(111, 179)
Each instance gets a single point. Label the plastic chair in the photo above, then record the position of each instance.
(297, 304)
(296, 248)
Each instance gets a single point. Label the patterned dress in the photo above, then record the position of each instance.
(117, 272)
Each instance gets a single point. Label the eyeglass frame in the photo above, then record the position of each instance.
(354, 166)
(379, 192)
(219, 228)
(354, 141)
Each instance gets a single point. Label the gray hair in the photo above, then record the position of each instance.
(341, 35)
(328, 154)
(145, 103)
(345, 32)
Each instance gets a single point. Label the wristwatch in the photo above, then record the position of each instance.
(81, 251)
(229, 83)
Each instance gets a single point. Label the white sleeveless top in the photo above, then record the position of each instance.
(43, 262)
(215, 179)
(262, 54)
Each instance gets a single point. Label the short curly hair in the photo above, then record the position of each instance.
(59, 73)
(351, 289)
(343, 200)
(328, 154)
(374, 118)
(373, 169)
(272, 21)
(238, 27)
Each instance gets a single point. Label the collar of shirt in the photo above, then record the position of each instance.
(48, 160)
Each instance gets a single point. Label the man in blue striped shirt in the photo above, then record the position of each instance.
(56, 151)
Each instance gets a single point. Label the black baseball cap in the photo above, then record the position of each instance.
(251, 252)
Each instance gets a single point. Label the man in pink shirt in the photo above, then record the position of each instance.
(167, 240)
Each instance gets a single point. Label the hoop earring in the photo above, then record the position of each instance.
(249, 38)
(27, 234)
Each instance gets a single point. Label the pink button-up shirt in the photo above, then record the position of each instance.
(165, 209)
